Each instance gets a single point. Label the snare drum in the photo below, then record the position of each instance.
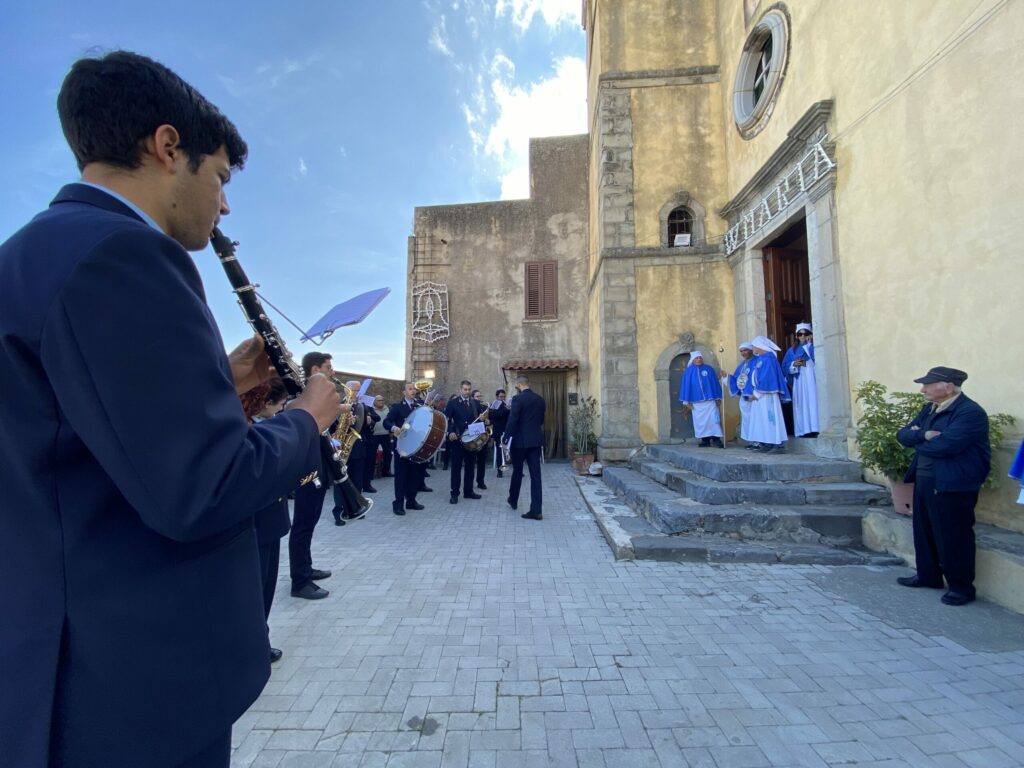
(422, 435)
(474, 442)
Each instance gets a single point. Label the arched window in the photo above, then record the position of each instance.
(680, 222)
(760, 72)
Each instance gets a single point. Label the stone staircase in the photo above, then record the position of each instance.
(681, 502)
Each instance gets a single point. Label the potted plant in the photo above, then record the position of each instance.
(582, 418)
(882, 417)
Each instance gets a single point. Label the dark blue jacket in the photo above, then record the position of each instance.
(132, 628)
(961, 455)
(526, 420)
(460, 415)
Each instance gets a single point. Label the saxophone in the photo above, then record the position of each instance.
(346, 434)
(274, 346)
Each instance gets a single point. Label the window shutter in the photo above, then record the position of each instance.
(533, 301)
(549, 290)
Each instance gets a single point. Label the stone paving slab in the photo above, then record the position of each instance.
(464, 636)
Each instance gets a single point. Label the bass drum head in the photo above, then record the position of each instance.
(426, 430)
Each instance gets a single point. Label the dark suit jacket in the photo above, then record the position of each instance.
(460, 414)
(397, 415)
(526, 420)
(962, 454)
(132, 629)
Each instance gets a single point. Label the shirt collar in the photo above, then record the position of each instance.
(135, 209)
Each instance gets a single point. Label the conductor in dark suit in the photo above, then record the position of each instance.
(408, 474)
(133, 629)
(525, 429)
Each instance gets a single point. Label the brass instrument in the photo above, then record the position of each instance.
(346, 434)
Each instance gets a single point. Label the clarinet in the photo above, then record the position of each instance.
(273, 344)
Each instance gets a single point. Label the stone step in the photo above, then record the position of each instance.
(795, 493)
(670, 513)
(632, 537)
(739, 465)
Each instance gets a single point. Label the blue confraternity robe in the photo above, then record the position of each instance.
(700, 383)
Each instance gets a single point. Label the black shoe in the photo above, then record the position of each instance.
(310, 592)
(957, 598)
(371, 489)
(705, 442)
(413, 505)
(717, 442)
(317, 575)
(454, 499)
(532, 516)
(753, 446)
(397, 508)
(471, 495)
(275, 654)
(424, 489)
(772, 448)
(915, 582)
(481, 486)
(511, 503)
(338, 519)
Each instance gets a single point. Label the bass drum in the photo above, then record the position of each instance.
(422, 435)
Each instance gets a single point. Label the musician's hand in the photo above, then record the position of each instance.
(452, 437)
(320, 400)
(250, 366)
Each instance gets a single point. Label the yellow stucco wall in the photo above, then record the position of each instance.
(672, 300)
(676, 147)
(657, 34)
(927, 200)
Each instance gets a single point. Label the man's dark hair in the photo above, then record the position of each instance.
(311, 359)
(465, 383)
(500, 392)
(108, 106)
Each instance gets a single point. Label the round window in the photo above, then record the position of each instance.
(759, 74)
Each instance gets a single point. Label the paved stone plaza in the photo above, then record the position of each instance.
(465, 636)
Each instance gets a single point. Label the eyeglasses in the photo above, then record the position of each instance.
(803, 333)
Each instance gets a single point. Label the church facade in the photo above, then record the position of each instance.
(753, 164)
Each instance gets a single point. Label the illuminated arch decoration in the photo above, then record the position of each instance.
(430, 312)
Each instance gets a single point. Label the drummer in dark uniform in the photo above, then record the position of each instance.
(408, 474)
(461, 411)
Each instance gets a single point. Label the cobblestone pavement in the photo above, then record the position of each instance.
(465, 636)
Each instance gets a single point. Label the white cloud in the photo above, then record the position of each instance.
(303, 170)
(554, 12)
(439, 38)
(344, 152)
(554, 106)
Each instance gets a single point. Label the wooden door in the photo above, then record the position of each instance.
(682, 424)
(787, 286)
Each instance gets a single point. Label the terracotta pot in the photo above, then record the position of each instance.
(902, 497)
(581, 462)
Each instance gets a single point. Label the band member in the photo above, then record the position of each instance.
(408, 474)
(499, 418)
(485, 452)
(309, 503)
(272, 523)
(525, 430)
(133, 630)
(461, 411)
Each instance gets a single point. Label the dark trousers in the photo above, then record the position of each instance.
(408, 478)
(463, 467)
(270, 557)
(309, 503)
(481, 462)
(355, 466)
(944, 535)
(531, 457)
(369, 463)
(215, 755)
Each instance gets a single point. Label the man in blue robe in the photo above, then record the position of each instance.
(766, 390)
(701, 392)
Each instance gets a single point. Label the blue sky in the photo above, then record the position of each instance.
(355, 112)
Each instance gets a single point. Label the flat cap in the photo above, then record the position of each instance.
(942, 373)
